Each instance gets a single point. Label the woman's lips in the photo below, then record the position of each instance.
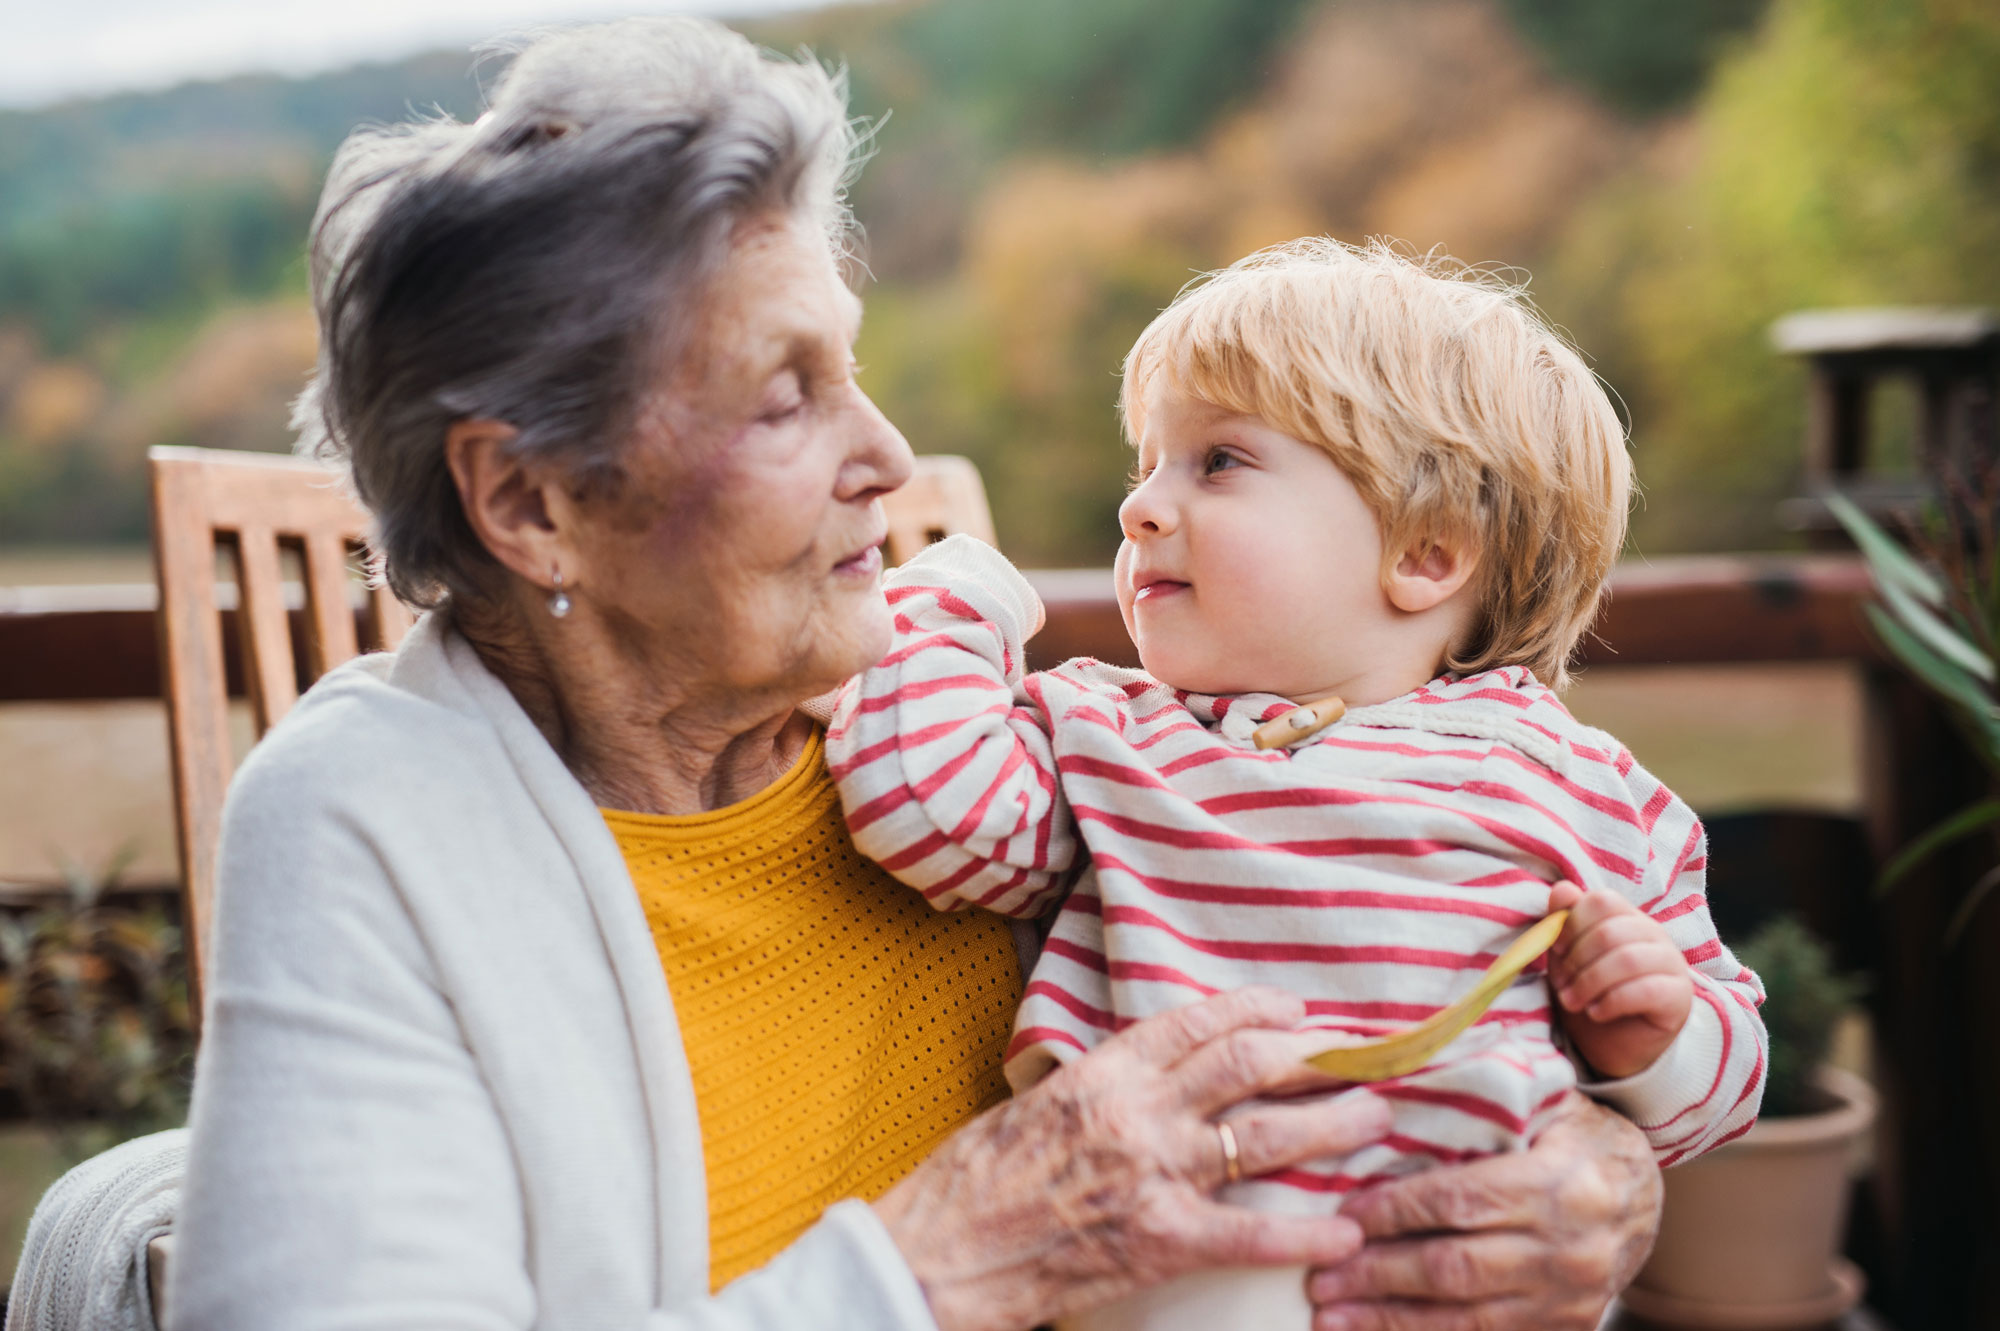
(1153, 591)
(865, 563)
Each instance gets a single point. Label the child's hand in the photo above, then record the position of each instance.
(1623, 988)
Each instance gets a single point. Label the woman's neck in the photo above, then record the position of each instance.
(638, 736)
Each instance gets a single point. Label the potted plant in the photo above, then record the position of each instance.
(1750, 1236)
(95, 1039)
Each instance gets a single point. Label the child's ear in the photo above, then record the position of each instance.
(1429, 574)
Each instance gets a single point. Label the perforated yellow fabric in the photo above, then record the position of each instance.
(838, 1027)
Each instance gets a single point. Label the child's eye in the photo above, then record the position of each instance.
(1219, 459)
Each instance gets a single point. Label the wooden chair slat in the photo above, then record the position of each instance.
(330, 633)
(265, 626)
(388, 620)
(286, 494)
(943, 497)
(196, 682)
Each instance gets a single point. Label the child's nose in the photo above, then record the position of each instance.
(1146, 511)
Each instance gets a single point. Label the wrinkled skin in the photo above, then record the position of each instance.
(1538, 1240)
(1098, 1181)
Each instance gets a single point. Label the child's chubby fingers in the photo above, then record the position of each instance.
(1599, 922)
(1580, 991)
(1587, 909)
(1603, 936)
(1662, 999)
(1564, 895)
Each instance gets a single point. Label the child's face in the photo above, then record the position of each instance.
(1250, 562)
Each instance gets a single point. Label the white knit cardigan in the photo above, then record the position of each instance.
(441, 1084)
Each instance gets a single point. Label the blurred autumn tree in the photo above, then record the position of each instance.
(152, 281)
(1676, 173)
(1640, 57)
(1430, 121)
(1112, 76)
(1848, 154)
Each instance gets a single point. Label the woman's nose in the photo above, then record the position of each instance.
(1146, 511)
(879, 458)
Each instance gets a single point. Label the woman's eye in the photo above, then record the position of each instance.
(785, 401)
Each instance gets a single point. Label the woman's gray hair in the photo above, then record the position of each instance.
(533, 267)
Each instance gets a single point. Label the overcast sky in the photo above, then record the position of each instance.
(55, 49)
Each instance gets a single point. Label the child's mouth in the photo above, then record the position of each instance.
(1153, 591)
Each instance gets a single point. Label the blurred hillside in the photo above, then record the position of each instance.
(1676, 173)
(152, 279)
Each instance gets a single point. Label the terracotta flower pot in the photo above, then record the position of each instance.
(1751, 1232)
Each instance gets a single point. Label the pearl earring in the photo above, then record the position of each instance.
(558, 599)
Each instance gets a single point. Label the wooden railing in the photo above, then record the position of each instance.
(1692, 610)
(88, 644)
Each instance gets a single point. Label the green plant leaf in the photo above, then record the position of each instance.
(1951, 681)
(1960, 825)
(1935, 633)
(1889, 561)
(1969, 907)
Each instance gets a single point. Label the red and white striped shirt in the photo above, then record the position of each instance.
(1374, 869)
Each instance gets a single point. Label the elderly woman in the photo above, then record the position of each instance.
(548, 990)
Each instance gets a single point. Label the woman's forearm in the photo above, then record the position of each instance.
(1099, 1180)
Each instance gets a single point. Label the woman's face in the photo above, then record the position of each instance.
(741, 551)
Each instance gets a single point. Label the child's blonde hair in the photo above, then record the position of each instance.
(1458, 414)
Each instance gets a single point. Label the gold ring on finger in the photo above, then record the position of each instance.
(1232, 1159)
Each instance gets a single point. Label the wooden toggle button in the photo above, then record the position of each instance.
(1302, 722)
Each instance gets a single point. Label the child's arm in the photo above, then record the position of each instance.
(1650, 997)
(944, 764)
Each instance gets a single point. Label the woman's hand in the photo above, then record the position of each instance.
(1099, 1180)
(1538, 1240)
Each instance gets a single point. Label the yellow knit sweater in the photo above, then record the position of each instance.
(837, 1026)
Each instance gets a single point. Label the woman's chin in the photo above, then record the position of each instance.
(860, 641)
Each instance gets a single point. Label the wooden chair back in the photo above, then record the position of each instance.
(943, 497)
(251, 506)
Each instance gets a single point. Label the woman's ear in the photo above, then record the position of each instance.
(506, 501)
(1428, 575)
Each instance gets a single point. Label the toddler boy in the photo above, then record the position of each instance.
(1360, 476)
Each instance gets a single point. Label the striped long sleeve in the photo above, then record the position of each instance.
(942, 751)
(1706, 1089)
(1374, 869)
